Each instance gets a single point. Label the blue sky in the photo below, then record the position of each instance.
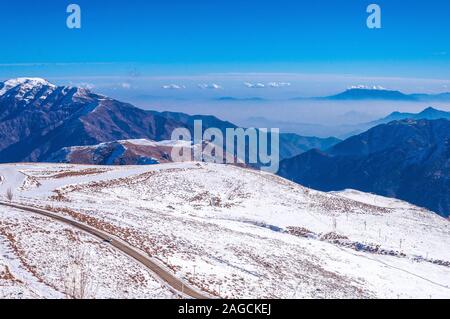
(223, 31)
(139, 38)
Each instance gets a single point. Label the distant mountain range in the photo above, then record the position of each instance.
(344, 131)
(407, 159)
(39, 119)
(355, 94)
(384, 94)
(429, 113)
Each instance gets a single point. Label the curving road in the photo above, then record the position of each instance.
(173, 282)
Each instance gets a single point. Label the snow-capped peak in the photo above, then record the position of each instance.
(24, 83)
(25, 86)
(19, 81)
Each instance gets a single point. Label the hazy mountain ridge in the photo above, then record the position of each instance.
(385, 94)
(406, 159)
(429, 113)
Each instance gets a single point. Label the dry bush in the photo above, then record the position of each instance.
(77, 284)
(9, 194)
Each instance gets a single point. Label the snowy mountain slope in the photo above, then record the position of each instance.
(234, 232)
(40, 258)
(126, 152)
(129, 152)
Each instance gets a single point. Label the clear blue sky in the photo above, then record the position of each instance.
(223, 31)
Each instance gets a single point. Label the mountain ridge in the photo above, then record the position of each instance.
(406, 159)
(385, 94)
(429, 113)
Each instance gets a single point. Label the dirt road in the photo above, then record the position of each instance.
(164, 275)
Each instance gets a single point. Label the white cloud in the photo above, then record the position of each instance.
(260, 85)
(173, 87)
(255, 85)
(211, 86)
(367, 87)
(279, 84)
(126, 85)
(84, 85)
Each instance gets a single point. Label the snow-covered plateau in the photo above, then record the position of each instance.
(227, 231)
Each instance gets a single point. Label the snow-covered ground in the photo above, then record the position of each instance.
(46, 259)
(233, 232)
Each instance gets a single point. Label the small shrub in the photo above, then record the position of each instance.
(9, 194)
